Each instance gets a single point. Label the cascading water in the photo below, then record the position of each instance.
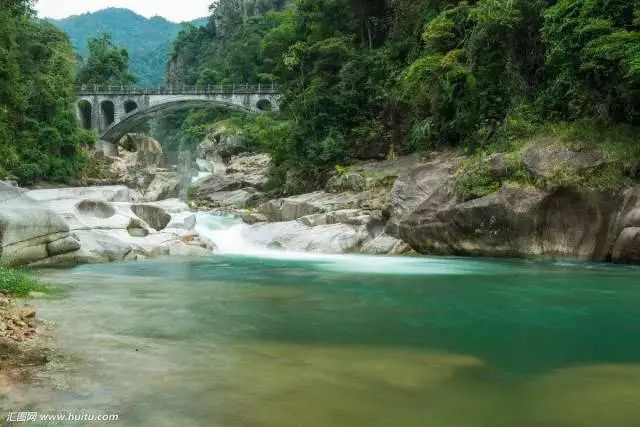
(230, 235)
(199, 176)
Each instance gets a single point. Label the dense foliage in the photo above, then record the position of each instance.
(366, 79)
(106, 64)
(39, 136)
(148, 40)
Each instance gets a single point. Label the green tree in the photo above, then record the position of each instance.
(106, 64)
(39, 136)
(363, 79)
(593, 57)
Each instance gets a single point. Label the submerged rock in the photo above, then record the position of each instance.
(296, 236)
(386, 245)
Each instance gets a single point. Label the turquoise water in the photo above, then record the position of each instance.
(348, 341)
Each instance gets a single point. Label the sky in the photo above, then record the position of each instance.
(173, 10)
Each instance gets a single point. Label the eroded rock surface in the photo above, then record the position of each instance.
(105, 224)
(237, 184)
(410, 204)
(29, 231)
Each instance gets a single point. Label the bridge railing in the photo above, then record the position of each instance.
(227, 89)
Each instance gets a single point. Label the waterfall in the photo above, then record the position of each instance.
(231, 236)
(228, 233)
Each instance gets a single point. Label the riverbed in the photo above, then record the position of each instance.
(311, 340)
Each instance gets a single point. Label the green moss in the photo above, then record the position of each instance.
(341, 170)
(19, 282)
(619, 146)
(475, 180)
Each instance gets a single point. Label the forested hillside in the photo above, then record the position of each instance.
(39, 136)
(148, 41)
(369, 79)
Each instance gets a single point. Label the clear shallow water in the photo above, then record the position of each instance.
(348, 341)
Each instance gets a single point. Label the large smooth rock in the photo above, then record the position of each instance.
(295, 236)
(292, 208)
(429, 186)
(29, 230)
(544, 159)
(155, 216)
(165, 185)
(99, 246)
(62, 246)
(516, 222)
(110, 230)
(627, 246)
(113, 193)
(385, 245)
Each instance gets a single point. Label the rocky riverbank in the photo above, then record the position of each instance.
(22, 342)
(69, 226)
(413, 204)
(141, 217)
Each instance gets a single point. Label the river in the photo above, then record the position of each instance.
(279, 339)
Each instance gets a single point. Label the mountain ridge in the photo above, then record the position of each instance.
(148, 40)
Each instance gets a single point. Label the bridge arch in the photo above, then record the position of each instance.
(130, 105)
(114, 111)
(133, 120)
(264, 105)
(108, 113)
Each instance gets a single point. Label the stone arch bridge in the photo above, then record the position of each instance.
(114, 111)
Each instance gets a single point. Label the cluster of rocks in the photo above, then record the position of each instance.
(238, 184)
(571, 222)
(410, 204)
(140, 164)
(348, 216)
(16, 323)
(69, 226)
(384, 207)
(233, 177)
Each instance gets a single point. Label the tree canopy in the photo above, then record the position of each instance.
(106, 64)
(39, 136)
(365, 79)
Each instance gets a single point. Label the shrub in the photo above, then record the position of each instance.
(19, 283)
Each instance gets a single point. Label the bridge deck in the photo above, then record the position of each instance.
(237, 89)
